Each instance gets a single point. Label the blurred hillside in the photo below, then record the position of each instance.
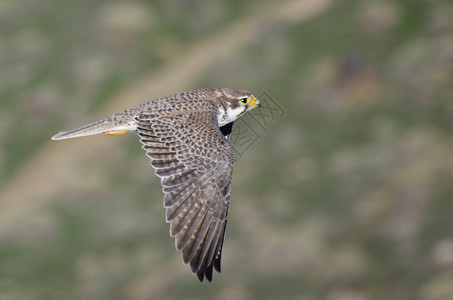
(347, 196)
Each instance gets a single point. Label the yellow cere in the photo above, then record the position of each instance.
(252, 102)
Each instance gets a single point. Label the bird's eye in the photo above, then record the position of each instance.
(245, 100)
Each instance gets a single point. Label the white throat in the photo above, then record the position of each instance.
(229, 115)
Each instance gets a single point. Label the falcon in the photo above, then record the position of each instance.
(186, 137)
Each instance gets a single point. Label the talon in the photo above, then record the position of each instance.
(115, 132)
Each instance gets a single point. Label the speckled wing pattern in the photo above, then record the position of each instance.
(195, 163)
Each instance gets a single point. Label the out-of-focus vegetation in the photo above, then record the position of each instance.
(348, 196)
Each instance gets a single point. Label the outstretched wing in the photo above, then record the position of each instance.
(195, 164)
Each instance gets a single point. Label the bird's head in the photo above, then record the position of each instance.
(236, 103)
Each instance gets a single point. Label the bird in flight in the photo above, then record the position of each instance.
(186, 137)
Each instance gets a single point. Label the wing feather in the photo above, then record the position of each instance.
(206, 258)
(190, 230)
(178, 210)
(199, 238)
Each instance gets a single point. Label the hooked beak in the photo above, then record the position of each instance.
(255, 103)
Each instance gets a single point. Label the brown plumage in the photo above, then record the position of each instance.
(186, 137)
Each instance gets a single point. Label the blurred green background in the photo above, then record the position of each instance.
(348, 196)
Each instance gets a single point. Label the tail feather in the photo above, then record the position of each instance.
(106, 125)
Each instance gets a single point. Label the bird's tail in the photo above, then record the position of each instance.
(111, 125)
